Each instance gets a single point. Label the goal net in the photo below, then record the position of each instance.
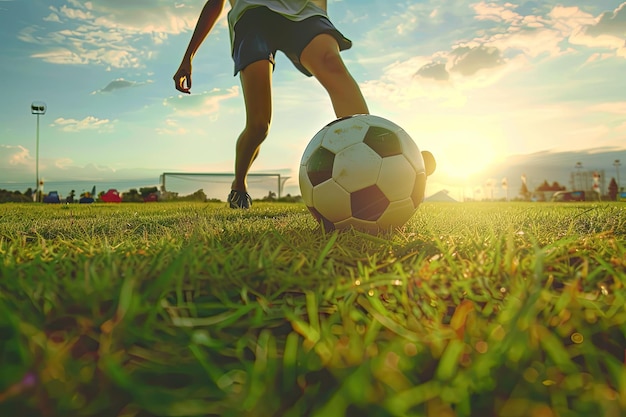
(217, 185)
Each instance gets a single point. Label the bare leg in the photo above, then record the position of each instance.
(256, 83)
(322, 58)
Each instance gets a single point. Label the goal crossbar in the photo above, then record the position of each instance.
(280, 179)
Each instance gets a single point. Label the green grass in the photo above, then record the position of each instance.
(195, 310)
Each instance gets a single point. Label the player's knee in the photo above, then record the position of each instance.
(258, 129)
(332, 64)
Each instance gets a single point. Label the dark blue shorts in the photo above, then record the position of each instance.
(260, 32)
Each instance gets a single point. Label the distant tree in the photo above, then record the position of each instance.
(132, 196)
(524, 193)
(169, 195)
(271, 196)
(146, 191)
(613, 190)
(14, 197)
(290, 199)
(549, 189)
(197, 196)
(557, 187)
(544, 186)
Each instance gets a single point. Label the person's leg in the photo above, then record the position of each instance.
(256, 84)
(321, 58)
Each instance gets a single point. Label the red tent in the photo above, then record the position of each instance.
(111, 196)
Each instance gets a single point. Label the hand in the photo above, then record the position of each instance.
(182, 78)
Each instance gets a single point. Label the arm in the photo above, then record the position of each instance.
(210, 12)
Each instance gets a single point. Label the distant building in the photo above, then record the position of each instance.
(584, 181)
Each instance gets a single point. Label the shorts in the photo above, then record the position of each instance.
(260, 32)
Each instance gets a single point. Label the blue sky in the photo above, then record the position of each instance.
(475, 82)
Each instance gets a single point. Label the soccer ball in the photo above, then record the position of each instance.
(364, 172)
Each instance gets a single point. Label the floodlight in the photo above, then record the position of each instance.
(37, 108)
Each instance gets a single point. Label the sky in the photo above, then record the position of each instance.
(483, 85)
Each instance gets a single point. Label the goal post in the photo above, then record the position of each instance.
(216, 184)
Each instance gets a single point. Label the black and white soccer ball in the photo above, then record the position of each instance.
(365, 172)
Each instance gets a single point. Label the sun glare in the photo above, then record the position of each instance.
(466, 154)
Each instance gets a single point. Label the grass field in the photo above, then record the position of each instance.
(185, 309)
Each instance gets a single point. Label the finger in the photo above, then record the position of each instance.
(179, 83)
(185, 84)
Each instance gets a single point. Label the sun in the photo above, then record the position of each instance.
(465, 154)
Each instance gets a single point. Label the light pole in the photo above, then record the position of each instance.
(38, 108)
(579, 167)
(617, 164)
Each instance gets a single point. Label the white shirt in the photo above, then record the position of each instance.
(291, 9)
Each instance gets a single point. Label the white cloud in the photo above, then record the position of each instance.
(610, 23)
(19, 175)
(120, 84)
(52, 17)
(496, 12)
(403, 82)
(200, 104)
(28, 34)
(569, 19)
(172, 127)
(61, 56)
(536, 35)
(514, 42)
(607, 31)
(88, 123)
(434, 70)
(63, 163)
(15, 155)
(597, 56)
(618, 107)
(16, 164)
(469, 60)
(115, 34)
(75, 13)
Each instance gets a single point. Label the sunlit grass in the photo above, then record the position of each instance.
(193, 309)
